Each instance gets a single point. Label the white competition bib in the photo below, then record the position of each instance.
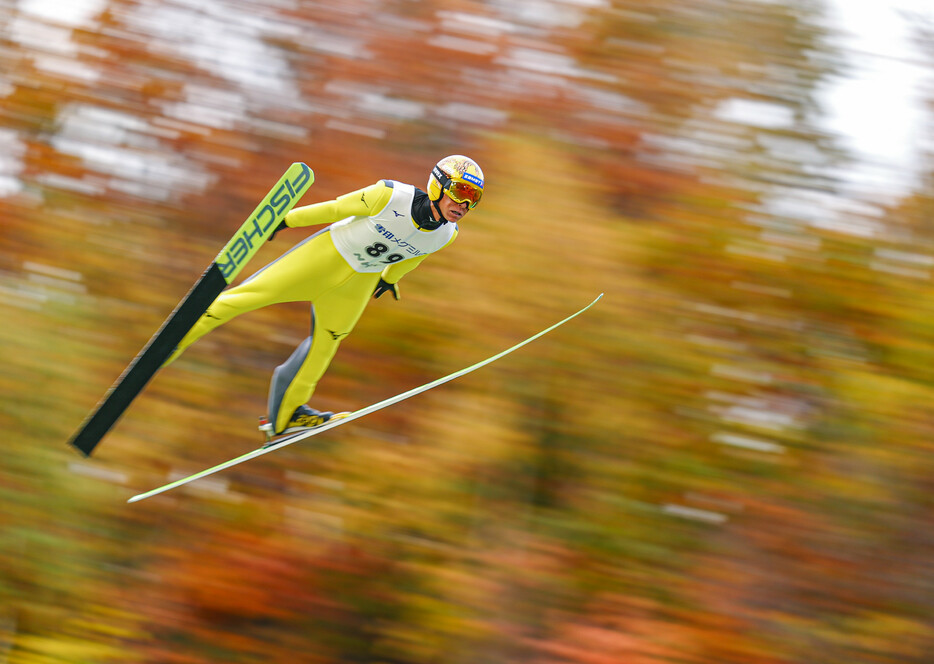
(370, 244)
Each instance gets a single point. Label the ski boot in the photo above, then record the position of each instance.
(303, 419)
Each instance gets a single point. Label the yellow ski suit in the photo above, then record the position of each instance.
(382, 231)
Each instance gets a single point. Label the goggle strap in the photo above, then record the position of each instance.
(442, 177)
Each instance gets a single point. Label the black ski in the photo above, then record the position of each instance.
(222, 271)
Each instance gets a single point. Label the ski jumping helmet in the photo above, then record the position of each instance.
(457, 176)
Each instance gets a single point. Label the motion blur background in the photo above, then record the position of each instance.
(728, 460)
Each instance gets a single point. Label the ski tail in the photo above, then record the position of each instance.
(356, 414)
(222, 271)
(137, 375)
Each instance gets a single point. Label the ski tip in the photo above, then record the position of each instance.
(301, 165)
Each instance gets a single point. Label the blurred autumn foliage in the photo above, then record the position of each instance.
(728, 460)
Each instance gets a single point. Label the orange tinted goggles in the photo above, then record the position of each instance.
(464, 192)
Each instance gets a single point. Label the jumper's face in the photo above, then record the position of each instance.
(452, 210)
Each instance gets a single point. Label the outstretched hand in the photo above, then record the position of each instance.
(278, 228)
(384, 286)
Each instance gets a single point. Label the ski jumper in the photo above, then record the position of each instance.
(382, 231)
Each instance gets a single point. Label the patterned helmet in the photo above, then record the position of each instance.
(457, 176)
